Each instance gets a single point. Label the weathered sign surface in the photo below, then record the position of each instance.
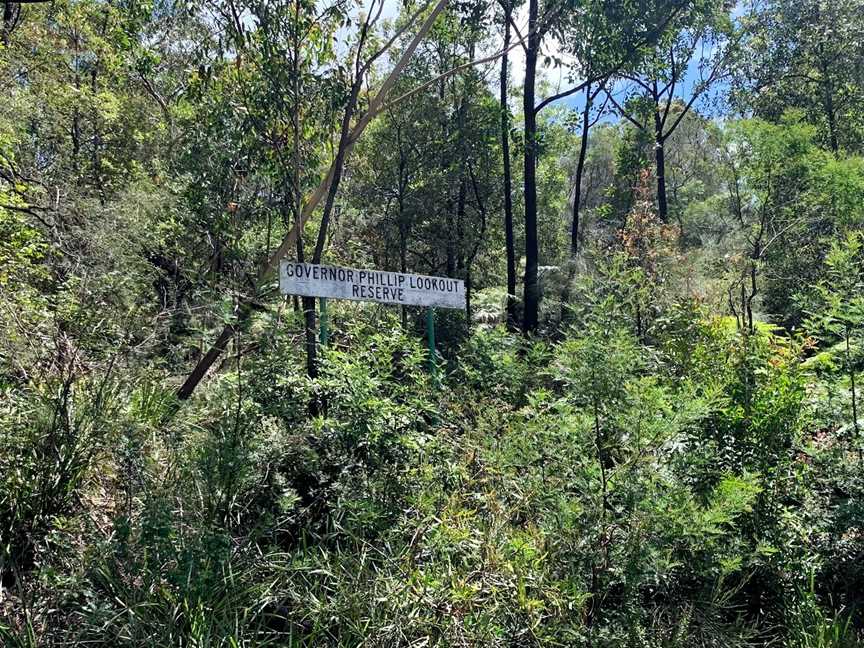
(311, 280)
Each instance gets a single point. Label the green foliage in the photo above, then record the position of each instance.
(673, 459)
(811, 626)
(52, 437)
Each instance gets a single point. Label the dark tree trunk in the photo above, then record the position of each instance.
(451, 246)
(308, 306)
(532, 287)
(8, 16)
(580, 169)
(203, 365)
(403, 223)
(830, 114)
(403, 259)
(510, 243)
(341, 153)
(309, 302)
(828, 100)
(460, 226)
(660, 160)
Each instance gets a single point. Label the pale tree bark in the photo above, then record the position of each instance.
(509, 239)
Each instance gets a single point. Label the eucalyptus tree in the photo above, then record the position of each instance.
(605, 37)
(425, 179)
(267, 97)
(806, 55)
(661, 90)
(394, 181)
(771, 177)
(506, 170)
(77, 134)
(350, 130)
(588, 118)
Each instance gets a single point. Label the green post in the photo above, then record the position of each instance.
(323, 334)
(430, 334)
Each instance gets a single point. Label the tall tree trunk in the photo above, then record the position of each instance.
(580, 169)
(404, 178)
(403, 258)
(308, 303)
(509, 241)
(828, 99)
(8, 16)
(660, 160)
(341, 153)
(832, 121)
(459, 243)
(830, 113)
(450, 251)
(532, 287)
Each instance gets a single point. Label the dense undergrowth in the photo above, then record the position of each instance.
(688, 489)
(667, 455)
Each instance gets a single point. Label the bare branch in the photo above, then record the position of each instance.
(561, 95)
(509, 12)
(623, 112)
(451, 72)
(386, 46)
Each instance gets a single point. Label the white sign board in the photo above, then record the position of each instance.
(309, 280)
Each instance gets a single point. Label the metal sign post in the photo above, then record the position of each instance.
(430, 337)
(324, 333)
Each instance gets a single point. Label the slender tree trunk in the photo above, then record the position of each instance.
(532, 287)
(510, 243)
(308, 303)
(76, 117)
(450, 266)
(295, 300)
(214, 352)
(7, 21)
(832, 118)
(341, 153)
(404, 178)
(461, 117)
(308, 306)
(580, 170)
(403, 258)
(828, 101)
(660, 160)
(753, 286)
(459, 243)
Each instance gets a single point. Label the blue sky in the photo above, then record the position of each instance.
(555, 79)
